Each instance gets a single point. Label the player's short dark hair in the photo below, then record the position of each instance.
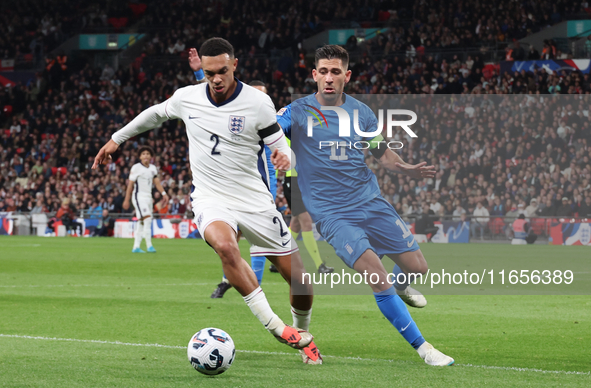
(332, 51)
(216, 46)
(256, 83)
(145, 148)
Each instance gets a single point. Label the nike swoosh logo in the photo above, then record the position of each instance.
(193, 118)
(285, 243)
(409, 244)
(401, 330)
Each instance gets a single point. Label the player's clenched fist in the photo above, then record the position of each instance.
(104, 154)
(194, 60)
(280, 160)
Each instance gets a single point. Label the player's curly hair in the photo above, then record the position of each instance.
(216, 46)
(145, 148)
(332, 51)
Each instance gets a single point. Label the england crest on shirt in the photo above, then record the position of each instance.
(236, 124)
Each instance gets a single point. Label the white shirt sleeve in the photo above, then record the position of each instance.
(154, 170)
(151, 118)
(133, 173)
(267, 115)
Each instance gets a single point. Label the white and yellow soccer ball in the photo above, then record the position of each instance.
(211, 351)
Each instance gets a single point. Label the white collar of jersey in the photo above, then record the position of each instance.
(232, 97)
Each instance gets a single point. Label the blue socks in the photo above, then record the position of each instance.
(400, 286)
(396, 312)
(258, 266)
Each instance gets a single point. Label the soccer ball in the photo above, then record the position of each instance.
(211, 351)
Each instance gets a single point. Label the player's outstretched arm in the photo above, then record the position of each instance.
(393, 162)
(151, 118)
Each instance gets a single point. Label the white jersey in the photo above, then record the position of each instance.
(143, 177)
(225, 149)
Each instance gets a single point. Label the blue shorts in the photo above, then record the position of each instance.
(375, 225)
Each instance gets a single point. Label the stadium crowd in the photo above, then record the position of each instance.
(530, 155)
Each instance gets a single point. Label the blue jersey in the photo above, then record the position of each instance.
(331, 178)
(272, 175)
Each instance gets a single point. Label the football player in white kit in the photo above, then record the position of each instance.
(139, 191)
(227, 124)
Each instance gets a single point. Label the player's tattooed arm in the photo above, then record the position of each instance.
(195, 64)
(393, 162)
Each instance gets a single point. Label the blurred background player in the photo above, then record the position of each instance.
(139, 190)
(230, 190)
(343, 196)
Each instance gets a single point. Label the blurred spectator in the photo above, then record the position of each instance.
(585, 209)
(95, 211)
(67, 214)
(424, 223)
(479, 220)
(175, 206)
(106, 226)
(548, 211)
(564, 210)
(457, 213)
(532, 209)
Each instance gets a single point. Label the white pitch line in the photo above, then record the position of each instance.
(505, 368)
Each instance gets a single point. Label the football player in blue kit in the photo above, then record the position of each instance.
(342, 194)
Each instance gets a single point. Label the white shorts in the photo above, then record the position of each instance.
(266, 231)
(143, 206)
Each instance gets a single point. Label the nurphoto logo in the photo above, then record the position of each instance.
(345, 128)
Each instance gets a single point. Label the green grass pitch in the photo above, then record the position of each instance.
(88, 313)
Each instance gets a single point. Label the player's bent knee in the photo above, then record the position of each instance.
(228, 251)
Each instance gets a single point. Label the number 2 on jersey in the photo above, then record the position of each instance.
(216, 139)
(277, 221)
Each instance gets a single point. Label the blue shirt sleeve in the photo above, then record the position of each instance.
(284, 120)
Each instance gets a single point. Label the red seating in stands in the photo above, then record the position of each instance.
(496, 225)
(538, 225)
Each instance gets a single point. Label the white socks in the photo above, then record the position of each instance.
(148, 231)
(139, 231)
(143, 229)
(301, 318)
(257, 301)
